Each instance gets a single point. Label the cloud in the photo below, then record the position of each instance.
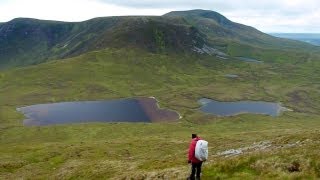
(266, 15)
(222, 5)
(67, 10)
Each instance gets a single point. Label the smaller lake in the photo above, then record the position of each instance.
(234, 108)
(122, 110)
(231, 76)
(249, 60)
(222, 57)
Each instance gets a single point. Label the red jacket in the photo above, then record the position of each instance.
(192, 149)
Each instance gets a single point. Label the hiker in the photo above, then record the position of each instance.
(196, 163)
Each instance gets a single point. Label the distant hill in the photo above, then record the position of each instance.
(305, 37)
(30, 41)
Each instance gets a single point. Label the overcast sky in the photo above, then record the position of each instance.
(265, 15)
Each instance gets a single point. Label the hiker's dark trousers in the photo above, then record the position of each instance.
(195, 170)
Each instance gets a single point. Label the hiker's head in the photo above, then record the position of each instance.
(194, 136)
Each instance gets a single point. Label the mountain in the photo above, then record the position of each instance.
(30, 41)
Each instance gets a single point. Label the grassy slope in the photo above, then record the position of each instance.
(159, 150)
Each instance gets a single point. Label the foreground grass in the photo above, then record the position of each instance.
(152, 150)
(123, 150)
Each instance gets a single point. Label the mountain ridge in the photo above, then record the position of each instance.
(26, 41)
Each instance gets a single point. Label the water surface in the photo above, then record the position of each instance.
(234, 108)
(123, 110)
(231, 76)
(249, 60)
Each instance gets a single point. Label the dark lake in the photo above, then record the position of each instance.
(249, 60)
(234, 108)
(123, 110)
(231, 76)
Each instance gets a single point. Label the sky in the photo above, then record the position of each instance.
(291, 16)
